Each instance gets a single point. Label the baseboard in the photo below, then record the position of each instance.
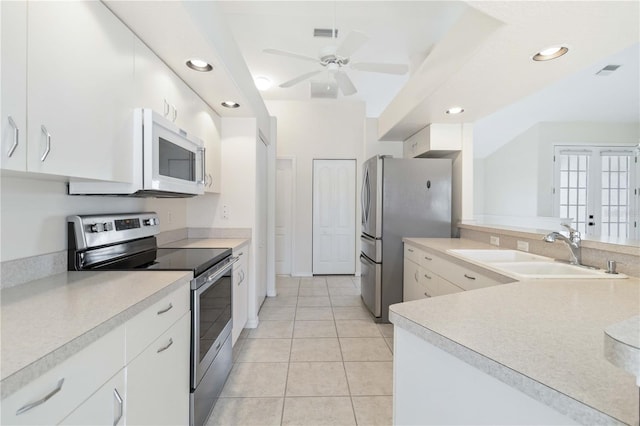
(252, 323)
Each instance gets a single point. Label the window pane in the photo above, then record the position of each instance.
(605, 179)
(573, 180)
(582, 179)
(605, 163)
(564, 179)
(624, 163)
(564, 162)
(605, 197)
(624, 179)
(614, 198)
(614, 163)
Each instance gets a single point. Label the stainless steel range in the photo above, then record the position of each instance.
(127, 242)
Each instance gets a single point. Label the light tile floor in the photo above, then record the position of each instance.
(317, 358)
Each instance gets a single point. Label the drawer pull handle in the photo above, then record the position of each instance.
(428, 258)
(410, 250)
(164, 348)
(118, 398)
(426, 294)
(469, 277)
(41, 401)
(162, 311)
(427, 276)
(415, 276)
(47, 148)
(218, 345)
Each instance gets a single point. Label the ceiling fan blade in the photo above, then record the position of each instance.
(398, 69)
(299, 79)
(345, 84)
(291, 55)
(351, 43)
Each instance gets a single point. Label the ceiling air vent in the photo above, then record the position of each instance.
(608, 70)
(324, 32)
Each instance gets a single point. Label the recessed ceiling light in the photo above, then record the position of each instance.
(550, 53)
(455, 110)
(199, 65)
(262, 82)
(230, 104)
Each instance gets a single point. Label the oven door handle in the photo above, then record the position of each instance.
(213, 278)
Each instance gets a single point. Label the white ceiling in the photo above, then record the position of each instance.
(399, 32)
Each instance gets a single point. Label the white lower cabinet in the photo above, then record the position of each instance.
(105, 407)
(240, 293)
(115, 381)
(158, 379)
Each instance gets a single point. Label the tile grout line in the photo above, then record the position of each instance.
(286, 379)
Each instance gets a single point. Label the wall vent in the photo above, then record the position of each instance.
(608, 70)
(324, 32)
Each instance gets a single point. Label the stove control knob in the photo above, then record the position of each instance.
(101, 227)
(150, 222)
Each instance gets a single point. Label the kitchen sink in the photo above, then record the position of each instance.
(521, 265)
(498, 255)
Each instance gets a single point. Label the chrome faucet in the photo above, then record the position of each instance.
(573, 242)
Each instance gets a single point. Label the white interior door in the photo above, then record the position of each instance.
(284, 195)
(334, 216)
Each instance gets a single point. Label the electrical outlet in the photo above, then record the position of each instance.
(494, 240)
(523, 246)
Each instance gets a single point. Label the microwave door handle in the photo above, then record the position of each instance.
(203, 163)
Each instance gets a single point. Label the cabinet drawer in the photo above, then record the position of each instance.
(412, 253)
(68, 384)
(413, 288)
(467, 279)
(145, 327)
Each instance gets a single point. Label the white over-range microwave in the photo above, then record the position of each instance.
(166, 162)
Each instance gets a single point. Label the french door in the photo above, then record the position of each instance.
(597, 188)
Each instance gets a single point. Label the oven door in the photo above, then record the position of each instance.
(173, 160)
(211, 320)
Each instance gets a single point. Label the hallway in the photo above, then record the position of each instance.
(317, 358)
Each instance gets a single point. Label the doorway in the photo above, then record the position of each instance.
(334, 217)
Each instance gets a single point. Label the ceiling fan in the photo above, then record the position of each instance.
(336, 58)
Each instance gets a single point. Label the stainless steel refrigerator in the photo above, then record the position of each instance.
(400, 198)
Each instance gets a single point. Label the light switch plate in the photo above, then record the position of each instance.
(523, 246)
(494, 240)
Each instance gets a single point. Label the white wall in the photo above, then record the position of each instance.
(518, 177)
(372, 146)
(321, 130)
(33, 214)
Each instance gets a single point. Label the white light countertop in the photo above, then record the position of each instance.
(232, 243)
(542, 337)
(622, 345)
(46, 321)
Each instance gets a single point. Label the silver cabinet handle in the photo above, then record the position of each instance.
(469, 277)
(118, 401)
(410, 250)
(164, 348)
(48, 147)
(167, 108)
(415, 276)
(428, 258)
(241, 277)
(16, 136)
(426, 294)
(175, 113)
(427, 276)
(167, 309)
(41, 401)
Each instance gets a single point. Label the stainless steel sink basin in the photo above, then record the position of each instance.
(521, 265)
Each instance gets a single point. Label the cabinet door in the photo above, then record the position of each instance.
(413, 288)
(105, 407)
(80, 85)
(13, 99)
(240, 295)
(207, 128)
(157, 87)
(158, 380)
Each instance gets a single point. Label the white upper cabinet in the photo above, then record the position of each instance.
(159, 88)
(13, 98)
(435, 140)
(80, 85)
(207, 128)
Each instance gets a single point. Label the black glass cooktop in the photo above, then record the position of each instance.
(197, 260)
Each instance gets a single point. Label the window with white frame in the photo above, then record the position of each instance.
(597, 187)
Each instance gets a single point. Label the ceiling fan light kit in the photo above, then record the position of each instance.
(335, 59)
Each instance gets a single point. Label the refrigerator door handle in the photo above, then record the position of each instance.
(363, 197)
